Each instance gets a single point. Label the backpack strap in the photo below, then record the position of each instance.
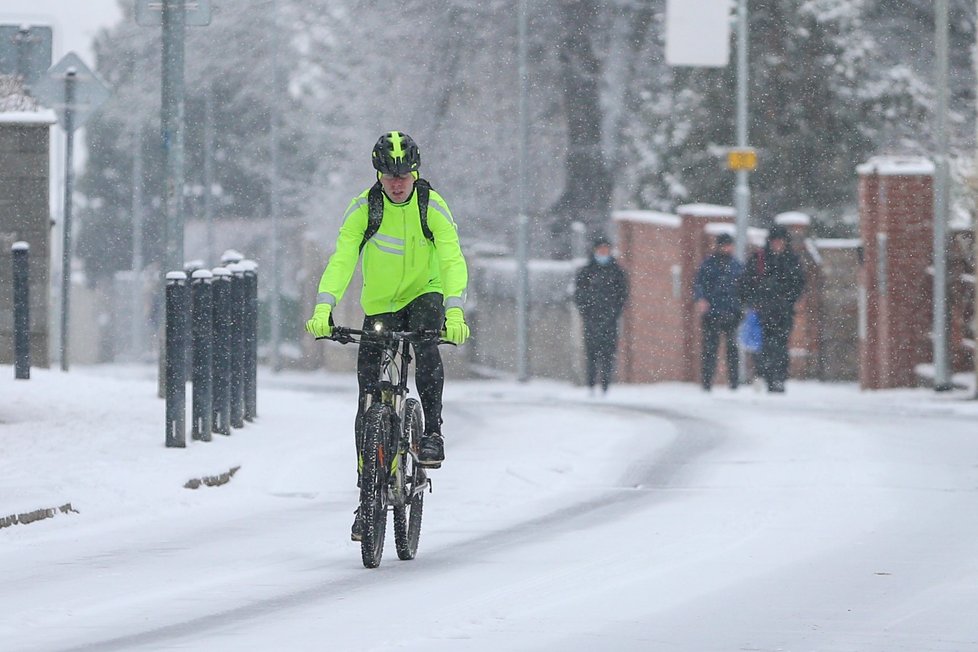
(375, 210)
(423, 188)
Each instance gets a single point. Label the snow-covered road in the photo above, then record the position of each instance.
(658, 519)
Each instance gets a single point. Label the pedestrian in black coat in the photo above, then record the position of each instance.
(600, 292)
(717, 295)
(773, 281)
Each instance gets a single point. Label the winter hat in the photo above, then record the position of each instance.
(724, 239)
(600, 240)
(778, 232)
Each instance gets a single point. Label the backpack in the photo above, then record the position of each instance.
(375, 210)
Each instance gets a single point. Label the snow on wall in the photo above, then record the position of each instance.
(896, 166)
(647, 217)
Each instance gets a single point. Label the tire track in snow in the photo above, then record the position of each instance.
(695, 437)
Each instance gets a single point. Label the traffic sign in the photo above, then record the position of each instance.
(149, 13)
(89, 92)
(25, 50)
(742, 159)
(698, 33)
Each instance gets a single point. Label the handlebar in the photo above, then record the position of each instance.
(345, 335)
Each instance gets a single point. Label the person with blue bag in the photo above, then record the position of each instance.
(772, 283)
(717, 296)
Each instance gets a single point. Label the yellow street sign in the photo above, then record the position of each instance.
(742, 159)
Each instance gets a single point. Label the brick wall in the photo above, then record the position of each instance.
(661, 253)
(652, 331)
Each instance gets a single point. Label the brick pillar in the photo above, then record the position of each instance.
(650, 348)
(695, 245)
(896, 223)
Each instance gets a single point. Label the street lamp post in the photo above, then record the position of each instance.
(942, 376)
(742, 191)
(523, 221)
(974, 269)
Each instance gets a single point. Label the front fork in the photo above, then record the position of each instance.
(396, 482)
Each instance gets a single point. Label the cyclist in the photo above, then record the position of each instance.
(414, 277)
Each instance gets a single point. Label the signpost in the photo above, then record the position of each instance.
(173, 16)
(742, 159)
(698, 34)
(74, 92)
(149, 13)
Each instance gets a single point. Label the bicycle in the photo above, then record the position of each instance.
(391, 476)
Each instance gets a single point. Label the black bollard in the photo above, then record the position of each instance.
(177, 309)
(202, 327)
(221, 374)
(250, 340)
(237, 345)
(22, 311)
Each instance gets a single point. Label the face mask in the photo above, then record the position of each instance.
(602, 260)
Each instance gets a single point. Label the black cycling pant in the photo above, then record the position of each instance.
(425, 312)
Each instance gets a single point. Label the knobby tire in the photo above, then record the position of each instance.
(407, 518)
(373, 503)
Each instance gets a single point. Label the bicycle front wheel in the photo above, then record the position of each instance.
(407, 518)
(373, 483)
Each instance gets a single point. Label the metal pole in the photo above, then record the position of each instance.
(138, 313)
(171, 118)
(66, 222)
(250, 320)
(942, 377)
(209, 171)
(742, 190)
(523, 221)
(202, 327)
(275, 199)
(221, 287)
(974, 269)
(176, 361)
(20, 252)
(236, 372)
(23, 41)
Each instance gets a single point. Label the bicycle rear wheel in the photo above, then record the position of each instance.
(407, 518)
(373, 484)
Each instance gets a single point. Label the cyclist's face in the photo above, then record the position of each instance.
(397, 187)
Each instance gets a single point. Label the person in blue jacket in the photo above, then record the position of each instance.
(717, 295)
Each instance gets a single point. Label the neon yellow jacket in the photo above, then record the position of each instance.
(399, 262)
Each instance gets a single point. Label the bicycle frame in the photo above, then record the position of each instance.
(392, 387)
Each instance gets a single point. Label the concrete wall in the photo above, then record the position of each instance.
(837, 308)
(25, 216)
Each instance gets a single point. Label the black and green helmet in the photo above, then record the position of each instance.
(396, 153)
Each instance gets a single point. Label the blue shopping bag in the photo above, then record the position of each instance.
(750, 332)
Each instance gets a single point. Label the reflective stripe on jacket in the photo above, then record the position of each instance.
(399, 262)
